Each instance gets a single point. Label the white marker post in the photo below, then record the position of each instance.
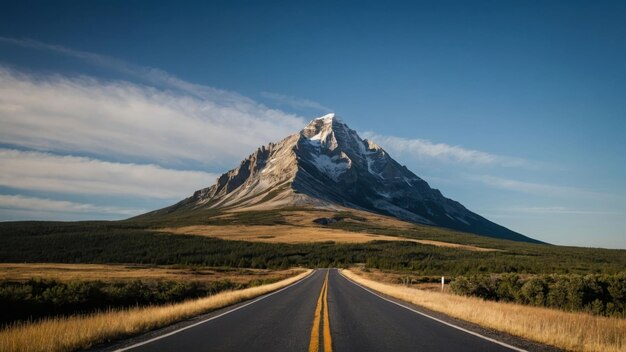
(442, 283)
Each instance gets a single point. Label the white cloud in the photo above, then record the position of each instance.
(557, 210)
(77, 175)
(121, 119)
(150, 75)
(422, 148)
(18, 202)
(295, 102)
(535, 188)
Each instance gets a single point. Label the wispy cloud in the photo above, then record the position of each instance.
(32, 204)
(154, 76)
(534, 188)
(422, 148)
(295, 102)
(77, 175)
(558, 210)
(129, 121)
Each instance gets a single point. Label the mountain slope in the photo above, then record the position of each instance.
(327, 165)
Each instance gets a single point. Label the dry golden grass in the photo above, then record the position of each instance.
(394, 278)
(305, 218)
(119, 272)
(570, 331)
(80, 332)
(278, 233)
(299, 234)
(456, 245)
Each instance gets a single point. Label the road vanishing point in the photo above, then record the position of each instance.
(326, 312)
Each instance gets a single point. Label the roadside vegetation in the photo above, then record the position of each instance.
(597, 294)
(29, 292)
(567, 330)
(34, 299)
(78, 332)
(594, 294)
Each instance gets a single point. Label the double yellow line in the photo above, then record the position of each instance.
(322, 304)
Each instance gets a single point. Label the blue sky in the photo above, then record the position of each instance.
(517, 109)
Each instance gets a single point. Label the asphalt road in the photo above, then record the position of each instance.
(296, 319)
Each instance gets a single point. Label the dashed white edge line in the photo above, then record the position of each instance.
(213, 318)
(433, 318)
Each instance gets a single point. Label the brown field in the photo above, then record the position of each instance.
(299, 234)
(456, 245)
(305, 218)
(84, 331)
(278, 233)
(117, 272)
(570, 331)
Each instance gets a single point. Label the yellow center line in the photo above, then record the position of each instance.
(328, 342)
(322, 301)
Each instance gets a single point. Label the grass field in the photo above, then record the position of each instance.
(301, 234)
(118, 272)
(84, 331)
(570, 331)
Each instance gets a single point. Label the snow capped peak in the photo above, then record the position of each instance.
(330, 133)
(322, 128)
(328, 122)
(329, 117)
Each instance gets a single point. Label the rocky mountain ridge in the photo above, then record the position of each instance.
(327, 165)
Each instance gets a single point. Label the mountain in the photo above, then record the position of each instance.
(327, 165)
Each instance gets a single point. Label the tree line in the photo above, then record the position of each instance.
(593, 293)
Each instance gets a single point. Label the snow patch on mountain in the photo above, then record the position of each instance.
(333, 167)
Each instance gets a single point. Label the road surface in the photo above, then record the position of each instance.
(323, 312)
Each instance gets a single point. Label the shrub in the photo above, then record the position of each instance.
(534, 292)
(597, 294)
(509, 287)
